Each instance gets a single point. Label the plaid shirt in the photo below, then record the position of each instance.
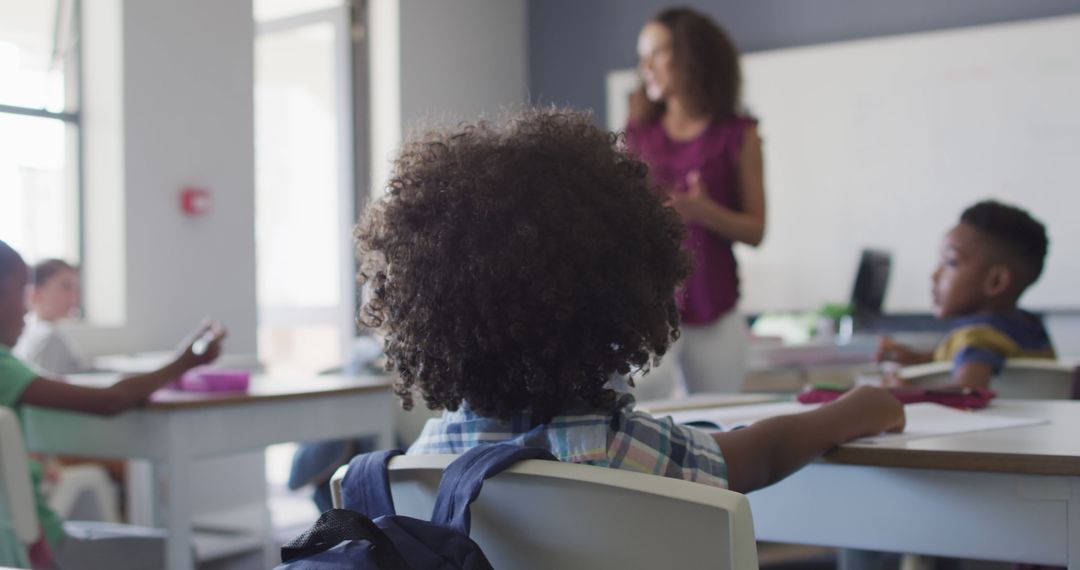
(621, 438)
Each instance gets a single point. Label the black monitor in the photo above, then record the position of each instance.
(868, 294)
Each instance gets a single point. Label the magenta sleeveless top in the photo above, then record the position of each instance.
(713, 288)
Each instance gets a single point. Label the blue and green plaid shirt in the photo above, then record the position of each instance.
(621, 438)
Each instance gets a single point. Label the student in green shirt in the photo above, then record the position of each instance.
(68, 546)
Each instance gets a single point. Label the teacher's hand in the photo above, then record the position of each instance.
(693, 203)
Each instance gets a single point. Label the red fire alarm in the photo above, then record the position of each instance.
(195, 201)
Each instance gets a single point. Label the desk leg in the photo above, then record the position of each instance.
(142, 488)
(1073, 525)
(177, 495)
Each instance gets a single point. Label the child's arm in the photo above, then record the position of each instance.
(973, 375)
(892, 351)
(769, 450)
(127, 393)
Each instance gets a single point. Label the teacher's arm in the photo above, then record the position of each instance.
(746, 226)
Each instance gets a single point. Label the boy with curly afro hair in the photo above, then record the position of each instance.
(519, 271)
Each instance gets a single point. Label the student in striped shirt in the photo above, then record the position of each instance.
(516, 269)
(988, 260)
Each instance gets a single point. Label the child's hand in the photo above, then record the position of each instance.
(893, 380)
(203, 346)
(881, 411)
(888, 350)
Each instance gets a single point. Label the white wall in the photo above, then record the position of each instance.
(462, 59)
(458, 61)
(883, 142)
(176, 108)
(168, 103)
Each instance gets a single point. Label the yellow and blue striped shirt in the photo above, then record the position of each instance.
(990, 338)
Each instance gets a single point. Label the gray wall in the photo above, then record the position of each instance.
(163, 111)
(461, 60)
(574, 43)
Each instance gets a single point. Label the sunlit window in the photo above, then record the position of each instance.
(303, 205)
(39, 128)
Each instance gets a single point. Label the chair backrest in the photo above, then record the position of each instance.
(17, 491)
(1021, 378)
(546, 514)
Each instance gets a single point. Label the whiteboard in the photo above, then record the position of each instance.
(882, 143)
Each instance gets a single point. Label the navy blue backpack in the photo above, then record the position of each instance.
(368, 534)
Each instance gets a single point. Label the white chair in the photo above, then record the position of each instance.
(547, 514)
(85, 492)
(1021, 378)
(15, 485)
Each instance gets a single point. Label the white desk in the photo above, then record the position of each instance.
(177, 428)
(1011, 495)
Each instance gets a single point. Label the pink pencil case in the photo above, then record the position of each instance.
(203, 379)
(964, 398)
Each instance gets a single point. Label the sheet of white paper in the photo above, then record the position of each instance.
(923, 419)
(927, 419)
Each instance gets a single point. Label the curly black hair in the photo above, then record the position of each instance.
(518, 266)
(1018, 237)
(10, 261)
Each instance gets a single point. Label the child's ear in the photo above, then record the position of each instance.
(999, 280)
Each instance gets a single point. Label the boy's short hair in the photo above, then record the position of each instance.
(518, 266)
(1013, 234)
(44, 270)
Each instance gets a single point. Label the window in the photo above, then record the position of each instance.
(39, 129)
(305, 191)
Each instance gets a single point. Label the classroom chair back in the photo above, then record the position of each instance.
(15, 485)
(545, 514)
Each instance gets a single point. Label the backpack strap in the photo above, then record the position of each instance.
(366, 485)
(462, 480)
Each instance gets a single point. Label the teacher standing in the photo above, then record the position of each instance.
(704, 153)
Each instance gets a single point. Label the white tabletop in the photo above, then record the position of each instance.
(1052, 448)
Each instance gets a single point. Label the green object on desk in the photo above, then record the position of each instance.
(831, 386)
(836, 310)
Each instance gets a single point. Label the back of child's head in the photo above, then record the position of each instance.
(12, 307)
(1012, 237)
(54, 292)
(10, 262)
(518, 266)
(43, 271)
